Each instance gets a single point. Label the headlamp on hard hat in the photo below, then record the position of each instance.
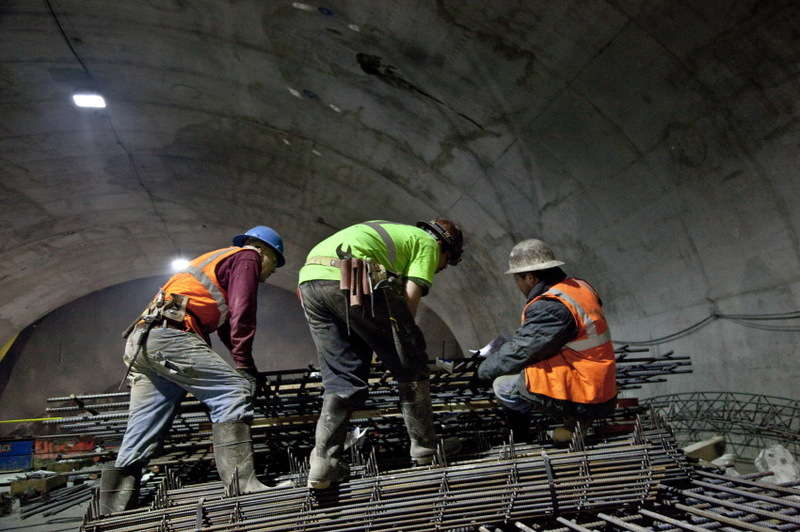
(452, 240)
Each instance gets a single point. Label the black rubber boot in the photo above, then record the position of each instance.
(233, 453)
(119, 488)
(325, 463)
(519, 424)
(415, 405)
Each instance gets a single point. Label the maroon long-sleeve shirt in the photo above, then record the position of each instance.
(238, 276)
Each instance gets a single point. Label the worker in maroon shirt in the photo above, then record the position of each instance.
(168, 353)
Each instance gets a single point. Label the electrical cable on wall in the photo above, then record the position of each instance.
(744, 320)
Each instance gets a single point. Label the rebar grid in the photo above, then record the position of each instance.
(749, 422)
(519, 482)
(293, 397)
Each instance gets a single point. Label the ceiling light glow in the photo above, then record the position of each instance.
(179, 264)
(93, 101)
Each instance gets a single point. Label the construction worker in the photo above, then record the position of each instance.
(561, 360)
(360, 289)
(168, 352)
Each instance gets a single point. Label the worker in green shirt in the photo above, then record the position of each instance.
(360, 289)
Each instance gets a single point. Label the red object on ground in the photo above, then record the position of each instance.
(53, 448)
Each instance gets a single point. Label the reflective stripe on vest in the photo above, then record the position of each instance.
(584, 371)
(593, 339)
(589, 343)
(207, 309)
(198, 273)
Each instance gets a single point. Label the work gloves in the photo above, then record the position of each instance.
(483, 372)
(491, 347)
(488, 369)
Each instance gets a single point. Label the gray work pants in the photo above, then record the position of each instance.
(170, 364)
(345, 358)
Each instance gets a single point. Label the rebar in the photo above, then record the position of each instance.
(514, 485)
(748, 422)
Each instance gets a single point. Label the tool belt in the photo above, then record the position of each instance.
(359, 277)
(165, 310)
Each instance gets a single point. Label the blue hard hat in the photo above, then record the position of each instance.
(268, 236)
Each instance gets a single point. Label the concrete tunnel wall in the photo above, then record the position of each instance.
(77, 348)
(653, 144)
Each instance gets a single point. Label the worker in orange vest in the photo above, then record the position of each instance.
(561, 360)
(168, 353)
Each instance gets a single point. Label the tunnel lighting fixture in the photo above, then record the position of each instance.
(92, 101)
(179, 264)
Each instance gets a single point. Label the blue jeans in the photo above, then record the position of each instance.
(170, 364)
(511, 392)
(506, 390)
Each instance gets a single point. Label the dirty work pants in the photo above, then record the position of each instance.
(511, 393)
(170, 364)
(345, 358)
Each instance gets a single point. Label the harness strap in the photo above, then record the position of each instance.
(391, 247)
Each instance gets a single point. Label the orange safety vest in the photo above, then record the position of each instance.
(207, 300)
(584, 371)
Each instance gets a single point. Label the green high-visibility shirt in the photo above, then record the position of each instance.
(405, 250)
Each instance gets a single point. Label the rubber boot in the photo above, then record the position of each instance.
(119, 488)
(325, 463)
(415, 405)
(520, 424)
(233, 453)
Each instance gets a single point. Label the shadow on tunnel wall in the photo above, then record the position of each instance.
(78, 348)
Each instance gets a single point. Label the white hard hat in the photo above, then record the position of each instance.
(531, 255)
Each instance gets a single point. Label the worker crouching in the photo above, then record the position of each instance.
(561, 360)
(360, 289)
(168, 353)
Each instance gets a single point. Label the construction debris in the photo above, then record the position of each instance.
(708, 450)
(777, 460)
(36, 484)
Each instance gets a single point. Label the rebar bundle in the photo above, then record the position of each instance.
(290, 401)
(515, 484)
(57, 501)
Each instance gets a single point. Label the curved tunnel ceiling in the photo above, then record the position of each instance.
(653, 144)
